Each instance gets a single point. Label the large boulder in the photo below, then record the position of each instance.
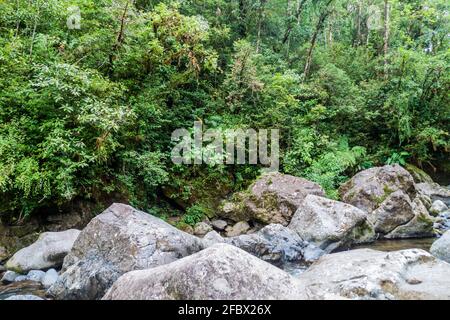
(221, 272)
(278, 245)
(434, 191)
(370, 188)
(15, 236)
(395, 211)
(119, 240)
(368, 274)
(330, 224)
(47, 252)
(420, 226)
(389, 197)
(273, 198)
(441, 247)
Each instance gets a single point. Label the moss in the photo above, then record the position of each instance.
(386, 193)
(425, 219)
(363, 233)
(418, 174)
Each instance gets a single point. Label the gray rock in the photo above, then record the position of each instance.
(434, 191)
(35, 275)
(47, 252)
(119, 240)
(438, 207)
(278, 245)
(239, 228)
(369, 188)
(421, 226)
(50, 278)
(212, 238)
(273, 198)
(24, 297)
(202, 228)
(441, 247)
(21, 278)
(330, 224)
(219, 224)
(221, 272)
(374, 275)
(9, 277)
(394, 206)
(395, 211)
(274, 243)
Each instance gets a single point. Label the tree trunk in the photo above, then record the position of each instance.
(386, 37)
(120, 35)
(290, 26)
(320, 24)
(262, 4)
(358, 25)
(33, 36)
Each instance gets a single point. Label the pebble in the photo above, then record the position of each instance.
(219, 224)
(51, 276)
(9, 276)
(21, 278)
(35, 275)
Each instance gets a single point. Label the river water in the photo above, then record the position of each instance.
(395, 245)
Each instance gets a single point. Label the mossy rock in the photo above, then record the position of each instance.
(418, 175)
(364, 233)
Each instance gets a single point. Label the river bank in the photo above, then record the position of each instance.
(282, 228)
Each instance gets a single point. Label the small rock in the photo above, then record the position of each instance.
(212, 238)
(202, 228)
(187, 228)
(238, 229)
(35, 275)
(438, 207)
(441, 247)
(24, 297)
(413, 281)
(21, 278)
(51, 276)
(2, 268)
(9, 276)
(219, 224)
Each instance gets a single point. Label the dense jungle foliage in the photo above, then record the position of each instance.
(87, 111)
